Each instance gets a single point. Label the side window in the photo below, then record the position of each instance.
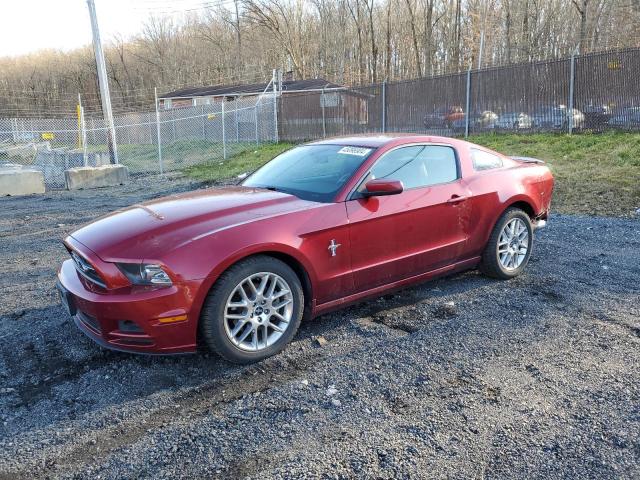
(484, 160)
(417, 166)
(400, 164)
(440, 164)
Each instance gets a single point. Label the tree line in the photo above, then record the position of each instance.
(351, 42)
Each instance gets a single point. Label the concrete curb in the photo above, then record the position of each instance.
(17, 180)
(94, 177)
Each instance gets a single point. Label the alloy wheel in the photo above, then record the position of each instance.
(258, 311)
(513, 244)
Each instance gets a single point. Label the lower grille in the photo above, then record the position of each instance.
(142, 342)
(90, 322)
(127, 326)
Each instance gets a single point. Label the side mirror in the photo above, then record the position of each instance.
(381, 187)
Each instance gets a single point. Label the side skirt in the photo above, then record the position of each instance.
(383, 289)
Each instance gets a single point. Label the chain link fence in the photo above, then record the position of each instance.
(147, 142)
(594, 92)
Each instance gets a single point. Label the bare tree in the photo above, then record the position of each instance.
(581, 7)
(346, 41)
(414, 35)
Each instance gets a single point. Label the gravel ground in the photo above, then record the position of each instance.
(464, 377)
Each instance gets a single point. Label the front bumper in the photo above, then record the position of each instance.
(129, 319)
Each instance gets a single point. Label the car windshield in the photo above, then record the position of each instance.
(310, 172)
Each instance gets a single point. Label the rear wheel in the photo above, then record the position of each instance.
(509, 248)
(253, 310)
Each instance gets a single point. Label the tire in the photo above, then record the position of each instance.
(495, 260)
(259, 315)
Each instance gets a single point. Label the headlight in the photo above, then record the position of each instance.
(144, 274)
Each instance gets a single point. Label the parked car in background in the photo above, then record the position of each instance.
(596, 116)
(628, 117)
(455, 113)
(443, 117)
(513, 121)
(557, 118)
(477, 121)
(320, 226)
(435, 119)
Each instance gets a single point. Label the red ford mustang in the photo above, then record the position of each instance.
(320, 226)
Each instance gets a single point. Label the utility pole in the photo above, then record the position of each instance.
(104, 84)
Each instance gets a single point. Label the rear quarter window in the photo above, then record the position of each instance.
(484, 160)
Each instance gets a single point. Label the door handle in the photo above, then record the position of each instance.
(456, 199)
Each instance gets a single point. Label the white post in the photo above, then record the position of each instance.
(155, 93)
(104, 83)
(224, 136)
(83, 134)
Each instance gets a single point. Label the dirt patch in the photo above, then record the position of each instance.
(464, 376)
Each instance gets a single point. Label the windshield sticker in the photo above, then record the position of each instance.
(358, 151)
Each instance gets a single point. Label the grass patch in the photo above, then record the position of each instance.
(596, 174)
(176, 156)
(246, 160)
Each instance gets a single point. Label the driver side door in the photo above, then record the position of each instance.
(421, 229)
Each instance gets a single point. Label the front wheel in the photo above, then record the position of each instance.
(253, 311)
(509, 248)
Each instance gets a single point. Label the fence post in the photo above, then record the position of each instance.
(468, 104)
(384, 106)
(155, 91)
(79, 118)
(275, 106)
(572, 76)
(324, 121)
(224, 136)
(83, 133)
(204, 125)
(235, 115)
(255, 109)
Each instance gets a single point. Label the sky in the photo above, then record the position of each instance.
(31, 25)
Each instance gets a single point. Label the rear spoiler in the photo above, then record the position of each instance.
(527, 160)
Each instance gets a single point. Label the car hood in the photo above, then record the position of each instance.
(147, 230)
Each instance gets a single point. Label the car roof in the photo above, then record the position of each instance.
(379, 140)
